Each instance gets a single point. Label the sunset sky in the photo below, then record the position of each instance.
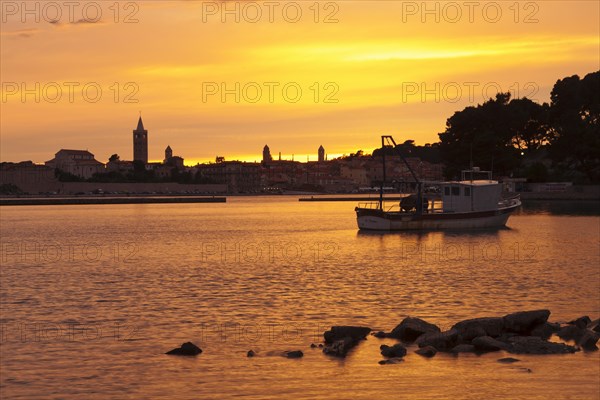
(371, 60)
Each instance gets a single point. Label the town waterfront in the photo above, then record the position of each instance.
(94, 295)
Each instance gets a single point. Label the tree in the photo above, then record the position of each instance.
(481, 134)
(113, 158)
(575, 119)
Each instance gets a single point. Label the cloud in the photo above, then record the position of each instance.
(21, 33)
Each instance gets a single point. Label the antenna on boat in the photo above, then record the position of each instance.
(471, 160)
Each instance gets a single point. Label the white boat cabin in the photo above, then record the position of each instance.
(471, 193)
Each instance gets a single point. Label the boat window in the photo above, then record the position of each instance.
(467, 191)
(455, 191)
(446, 190)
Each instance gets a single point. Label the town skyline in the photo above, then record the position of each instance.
(404, 78)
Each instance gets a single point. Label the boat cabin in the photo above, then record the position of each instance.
(471, 193)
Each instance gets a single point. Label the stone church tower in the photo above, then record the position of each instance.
(140, 143)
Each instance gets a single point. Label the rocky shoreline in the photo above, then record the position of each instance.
(524, 332)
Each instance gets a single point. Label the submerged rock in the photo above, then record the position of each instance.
(411, 328)
(391, 361)
(508, 360)
(535, 345)
(427, 351)
(525, 321)
(487, 326)
(186, 349)
(396, 350)
(440, 340)
(294, 354)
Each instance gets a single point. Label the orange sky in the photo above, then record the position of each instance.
(372, 61)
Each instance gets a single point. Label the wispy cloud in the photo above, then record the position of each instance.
(21, 33)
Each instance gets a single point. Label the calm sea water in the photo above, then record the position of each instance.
(92, 296)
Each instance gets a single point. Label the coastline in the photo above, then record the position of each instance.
(88, 200)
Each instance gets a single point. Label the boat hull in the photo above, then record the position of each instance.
(377, 220)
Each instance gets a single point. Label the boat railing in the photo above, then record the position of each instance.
(510, 201)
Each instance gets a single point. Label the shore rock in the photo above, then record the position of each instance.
(581, 322)
(186, 349)
(380, 335)
(487, 343)
(440, 340)
(294, 354)
(427, 351)
(395, 351)
(463, 348)
(340, 332)
(545, 330)
(524, 322)
(411, 328)
(487, 326)
(535, 345)
(588, 341)
(571, 332)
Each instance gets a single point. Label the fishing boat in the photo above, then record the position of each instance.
(473, 202)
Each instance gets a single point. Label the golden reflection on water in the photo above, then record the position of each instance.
(92, 296)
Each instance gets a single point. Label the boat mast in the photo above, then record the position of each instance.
(383, 179)
(417, 181)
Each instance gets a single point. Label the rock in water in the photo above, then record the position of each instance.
(571, 332)
(525, 321)
(508, 360)
(391, 361)
(535, 345)
(340, 332)
(487, 343)
(440, 340)
(380, 335)
(340, 339)
(545, 330)
(186, 349)
(427, 351)
(463, 348)
(251, 353)
(411, 328)
(396, 350)
(339, 348)
(294, 354)
(581, 322)
(487, 326)
(588, 341)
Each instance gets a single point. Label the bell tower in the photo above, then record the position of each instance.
(140, 143)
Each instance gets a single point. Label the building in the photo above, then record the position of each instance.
(80, 163)
(240, 177)
(321, 154)
(140, 143)
(266, 155)
(171, 160)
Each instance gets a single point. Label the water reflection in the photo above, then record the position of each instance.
(560, 207)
